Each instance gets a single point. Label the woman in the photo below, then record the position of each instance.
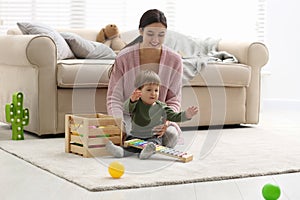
(148, 52)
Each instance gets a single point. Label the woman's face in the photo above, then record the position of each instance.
(153, 35)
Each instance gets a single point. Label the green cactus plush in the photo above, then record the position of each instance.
(17, 116)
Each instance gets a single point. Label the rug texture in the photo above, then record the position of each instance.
(218, 155)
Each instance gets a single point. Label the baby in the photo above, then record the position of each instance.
(147, 112)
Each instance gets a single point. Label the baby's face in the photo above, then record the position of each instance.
(150, 93)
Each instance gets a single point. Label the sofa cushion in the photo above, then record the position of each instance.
(63, 49)
(83, 73)
(223, 74)
(91, 73)
(83, 48)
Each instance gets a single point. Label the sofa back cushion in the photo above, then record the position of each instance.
(89, 34)
(83, 48)
(63, 49)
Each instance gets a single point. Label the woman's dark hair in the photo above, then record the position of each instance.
(153, 16)
(149, 17)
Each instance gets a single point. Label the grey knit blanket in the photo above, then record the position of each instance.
(196, 53)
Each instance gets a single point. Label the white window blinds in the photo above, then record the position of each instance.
(56, 13)
(214, 18)
(124, 13)
(81, 13)
(261, 20)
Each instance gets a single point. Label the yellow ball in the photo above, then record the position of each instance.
(116, 169)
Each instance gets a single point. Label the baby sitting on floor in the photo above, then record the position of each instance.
(147, 112)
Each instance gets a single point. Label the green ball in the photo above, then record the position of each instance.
(271, 192)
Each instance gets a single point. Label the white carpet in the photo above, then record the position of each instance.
(230, 153)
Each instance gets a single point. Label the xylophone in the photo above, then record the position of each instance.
(140, 144)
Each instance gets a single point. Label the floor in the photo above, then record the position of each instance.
(21, 180)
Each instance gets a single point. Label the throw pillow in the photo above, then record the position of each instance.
(83, 48)
(63, 49)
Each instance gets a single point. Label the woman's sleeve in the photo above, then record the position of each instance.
(115, 96)
(174, 93)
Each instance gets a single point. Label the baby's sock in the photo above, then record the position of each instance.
(148, 151)
(115, 150)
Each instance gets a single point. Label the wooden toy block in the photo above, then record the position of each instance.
(140, 144)
(87, 134)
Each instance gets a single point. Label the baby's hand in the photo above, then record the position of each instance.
(191, 111)
(160, 130)
(135, 95)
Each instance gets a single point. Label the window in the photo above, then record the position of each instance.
(214, 18)
(261, 20)
(53, 13)
(78, 13)
(124, 13)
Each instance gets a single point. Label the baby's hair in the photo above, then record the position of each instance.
(146, 77)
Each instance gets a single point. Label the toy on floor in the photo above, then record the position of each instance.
(182, 156)
(87, 134)
(17, 116)
(271, 192)
(116, 169)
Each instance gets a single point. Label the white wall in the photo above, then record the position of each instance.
(283, 41)
(230, 19)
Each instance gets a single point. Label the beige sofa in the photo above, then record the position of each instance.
(226, 93)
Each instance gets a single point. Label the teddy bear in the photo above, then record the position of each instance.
(110, 36)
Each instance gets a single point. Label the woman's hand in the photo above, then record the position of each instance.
(135, 95)
(160, 130)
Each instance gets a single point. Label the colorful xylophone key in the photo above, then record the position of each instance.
(182, 156)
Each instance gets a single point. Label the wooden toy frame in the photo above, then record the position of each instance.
(87, 134)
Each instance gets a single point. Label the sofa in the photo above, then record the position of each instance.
(226, 92)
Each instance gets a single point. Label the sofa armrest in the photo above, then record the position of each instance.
(28, 64)
(254, 54)
(13, 50)
(26, 50)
